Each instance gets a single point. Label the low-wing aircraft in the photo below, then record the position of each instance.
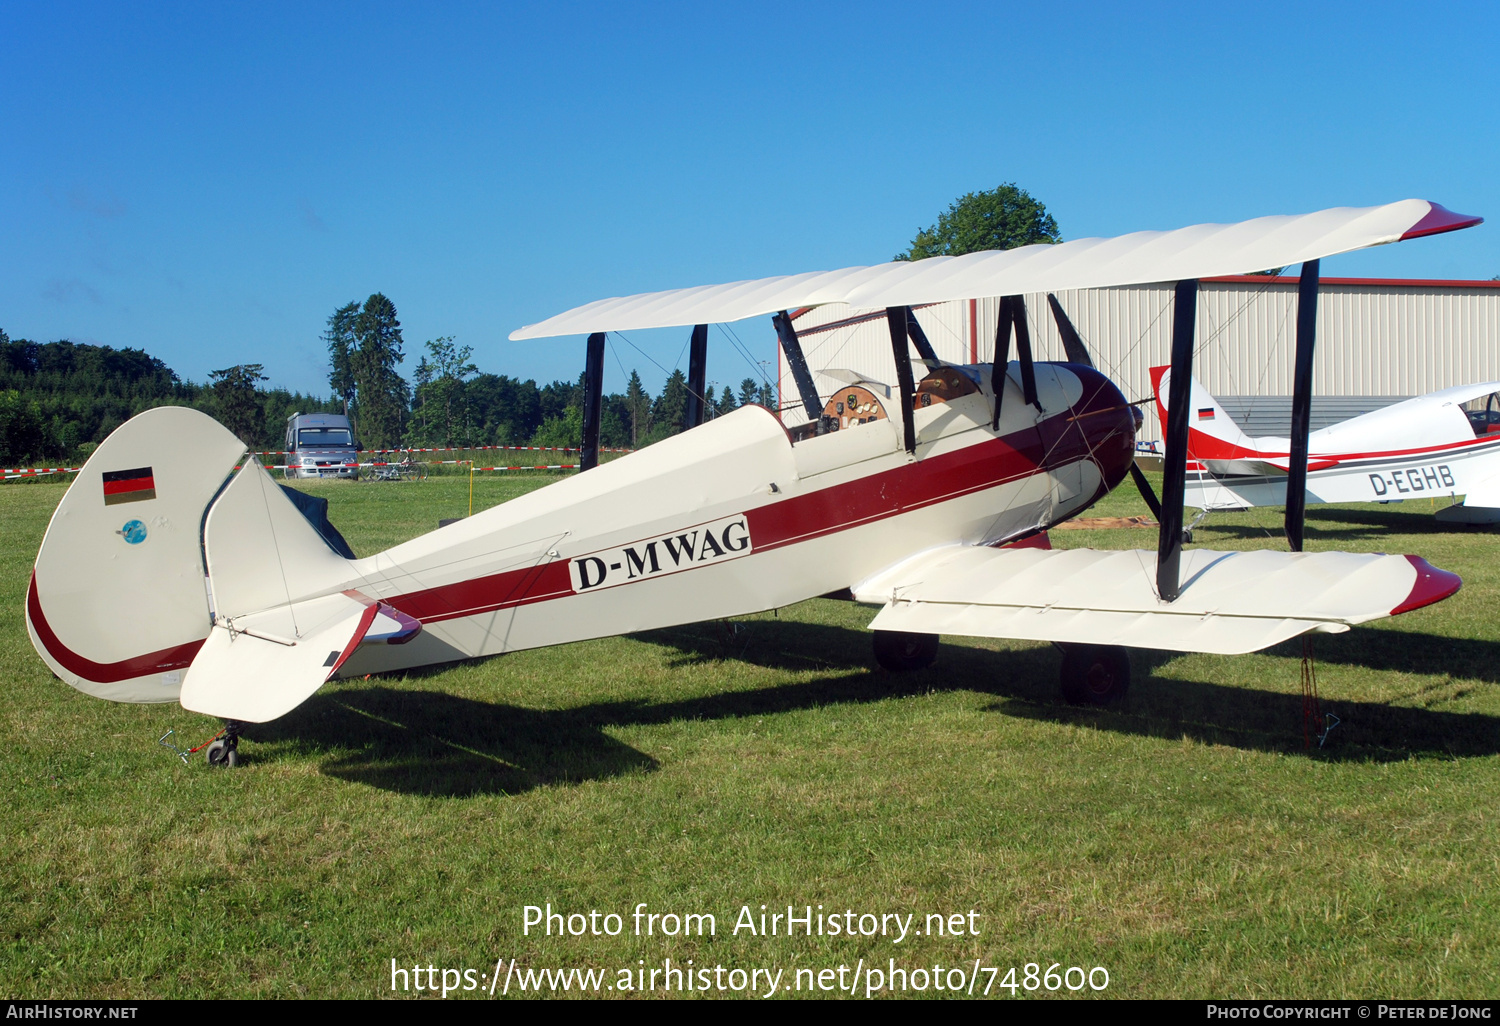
(167, 574)
(1444, 444)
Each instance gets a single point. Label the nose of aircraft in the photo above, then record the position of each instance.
(1106, 425)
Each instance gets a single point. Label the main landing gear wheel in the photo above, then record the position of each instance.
(901, 651)
(1094, 674)
(225, 751)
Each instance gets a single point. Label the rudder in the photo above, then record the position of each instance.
(117, 605)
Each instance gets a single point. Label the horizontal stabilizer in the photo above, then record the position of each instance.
(253, 669)
(1231, 602)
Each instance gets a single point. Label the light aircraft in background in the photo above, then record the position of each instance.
(1444, 445)
(168, 574)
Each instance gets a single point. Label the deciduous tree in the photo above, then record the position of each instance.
(1002, 218)
(440, 399)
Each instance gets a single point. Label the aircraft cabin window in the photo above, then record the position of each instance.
(1484, 414)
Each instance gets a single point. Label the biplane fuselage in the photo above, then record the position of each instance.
(732, 517)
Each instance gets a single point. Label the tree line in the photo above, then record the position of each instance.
(58, 400)
(449, 403)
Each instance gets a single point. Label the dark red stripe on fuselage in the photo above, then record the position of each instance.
(175, 658)
(1080, 432)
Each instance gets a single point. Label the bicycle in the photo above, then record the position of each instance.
(407, 469)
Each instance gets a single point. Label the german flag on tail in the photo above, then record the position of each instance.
(128, 486)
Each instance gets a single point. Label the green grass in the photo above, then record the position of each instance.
(1185, 840)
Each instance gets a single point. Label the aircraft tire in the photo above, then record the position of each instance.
(901, 651)
(222, 754)
(1094, 674)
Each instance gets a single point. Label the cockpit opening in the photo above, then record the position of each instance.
(1484, 414)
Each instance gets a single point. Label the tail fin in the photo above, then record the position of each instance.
(1212, 435)
(286, 610)
(262, 552)
(117, 605)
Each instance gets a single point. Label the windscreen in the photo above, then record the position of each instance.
(1484, 414)
(313, 438)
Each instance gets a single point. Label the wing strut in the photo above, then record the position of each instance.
(919, 337)
(1012, 315)
(1307, 329)
(697, 371)
(896, 318)
(1002, 358)
(1071, 340)
(593, 391)
(798, 364)
(1023, 350)
(1144, 487)
(1174, 478)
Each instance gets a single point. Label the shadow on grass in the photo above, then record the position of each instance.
(1026, 683)
(1405, 652)
(1333, 524)
(1271, 721)
(428, 742)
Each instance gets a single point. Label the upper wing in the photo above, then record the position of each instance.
(1200, 251)
(1231, 602)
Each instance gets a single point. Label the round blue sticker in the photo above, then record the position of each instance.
(133, 532)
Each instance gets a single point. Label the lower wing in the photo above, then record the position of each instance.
(1231, 602)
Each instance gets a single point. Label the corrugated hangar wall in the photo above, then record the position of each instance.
(1382, 339)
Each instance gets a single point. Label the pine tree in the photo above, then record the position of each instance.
(381, 391)
(341, 343)
(726, 403)
(237, 401)
(671, 406)
(639, 402)
(749, 392)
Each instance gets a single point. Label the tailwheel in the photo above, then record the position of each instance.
(902, 651)
(225, 751)
(1094, 674)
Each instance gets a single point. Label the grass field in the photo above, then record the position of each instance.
(1185, 841)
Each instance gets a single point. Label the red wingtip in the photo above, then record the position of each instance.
(1432, 585)
(1438, 220)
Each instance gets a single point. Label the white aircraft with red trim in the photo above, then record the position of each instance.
(167, 573)
(1445, 444)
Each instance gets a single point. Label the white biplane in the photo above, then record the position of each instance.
(167, 574)
(1444, 444)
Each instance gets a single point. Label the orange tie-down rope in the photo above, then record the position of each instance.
(191, 751)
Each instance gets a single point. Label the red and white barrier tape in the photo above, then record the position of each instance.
(43, 471)
(38, 471)
(458, 448)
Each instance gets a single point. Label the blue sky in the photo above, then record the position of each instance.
(209, 181)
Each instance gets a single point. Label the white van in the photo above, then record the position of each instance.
(321, 445)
